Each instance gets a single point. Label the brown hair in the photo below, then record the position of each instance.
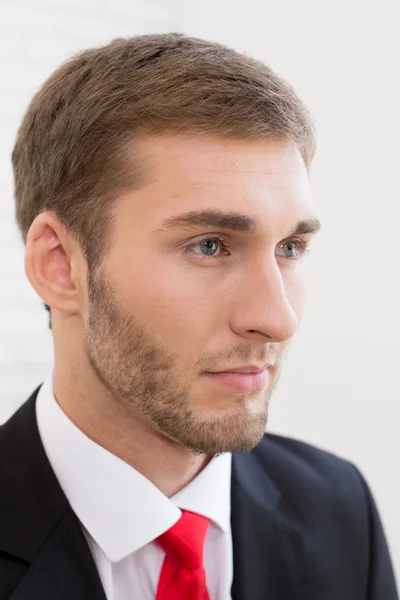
(70, 155)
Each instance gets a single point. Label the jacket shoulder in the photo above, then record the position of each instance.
(297, 465)
(301, 454)
(328, 500)
(312, 484)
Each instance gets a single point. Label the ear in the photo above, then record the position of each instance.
(53, 264)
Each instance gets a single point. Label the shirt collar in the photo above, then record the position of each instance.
(120, 508)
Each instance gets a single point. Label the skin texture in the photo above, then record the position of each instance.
(134, 338)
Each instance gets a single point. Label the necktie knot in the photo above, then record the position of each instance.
(183, 543)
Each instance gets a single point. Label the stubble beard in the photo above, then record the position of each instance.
(137, 370)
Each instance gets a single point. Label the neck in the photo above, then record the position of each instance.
(122, 429)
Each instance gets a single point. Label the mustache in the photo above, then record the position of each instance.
(244, 353)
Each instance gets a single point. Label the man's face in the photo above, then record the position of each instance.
(204, 275)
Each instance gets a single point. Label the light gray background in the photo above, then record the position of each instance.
(341, 386)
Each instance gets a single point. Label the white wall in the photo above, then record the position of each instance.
(341, 388)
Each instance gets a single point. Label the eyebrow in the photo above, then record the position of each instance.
(233, 221)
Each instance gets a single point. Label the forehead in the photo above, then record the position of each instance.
(197, 156)
(262, 178)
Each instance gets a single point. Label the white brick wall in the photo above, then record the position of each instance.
(341, 388)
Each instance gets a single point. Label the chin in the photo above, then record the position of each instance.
(240, 431)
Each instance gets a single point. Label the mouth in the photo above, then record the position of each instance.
(243, 379)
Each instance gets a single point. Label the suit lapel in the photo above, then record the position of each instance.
(37, 524)
(267, 552)
(63, 568)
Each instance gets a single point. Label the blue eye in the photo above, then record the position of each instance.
(293, 249)
(208, 247)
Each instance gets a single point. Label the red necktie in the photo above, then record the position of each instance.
(182, 575)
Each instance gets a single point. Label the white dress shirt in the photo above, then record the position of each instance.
(122, 512)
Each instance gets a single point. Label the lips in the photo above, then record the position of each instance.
(243, 379)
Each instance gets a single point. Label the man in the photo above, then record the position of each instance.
(162, 190)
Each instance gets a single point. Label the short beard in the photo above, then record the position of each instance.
(138, 370)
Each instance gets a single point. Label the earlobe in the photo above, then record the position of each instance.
(48, 263)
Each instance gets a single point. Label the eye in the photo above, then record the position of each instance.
(208, 247)
(293, 250)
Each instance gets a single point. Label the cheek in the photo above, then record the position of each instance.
(178, 310)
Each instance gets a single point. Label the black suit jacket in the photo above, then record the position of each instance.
(304, 526)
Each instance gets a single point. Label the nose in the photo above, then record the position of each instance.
(262, 308)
